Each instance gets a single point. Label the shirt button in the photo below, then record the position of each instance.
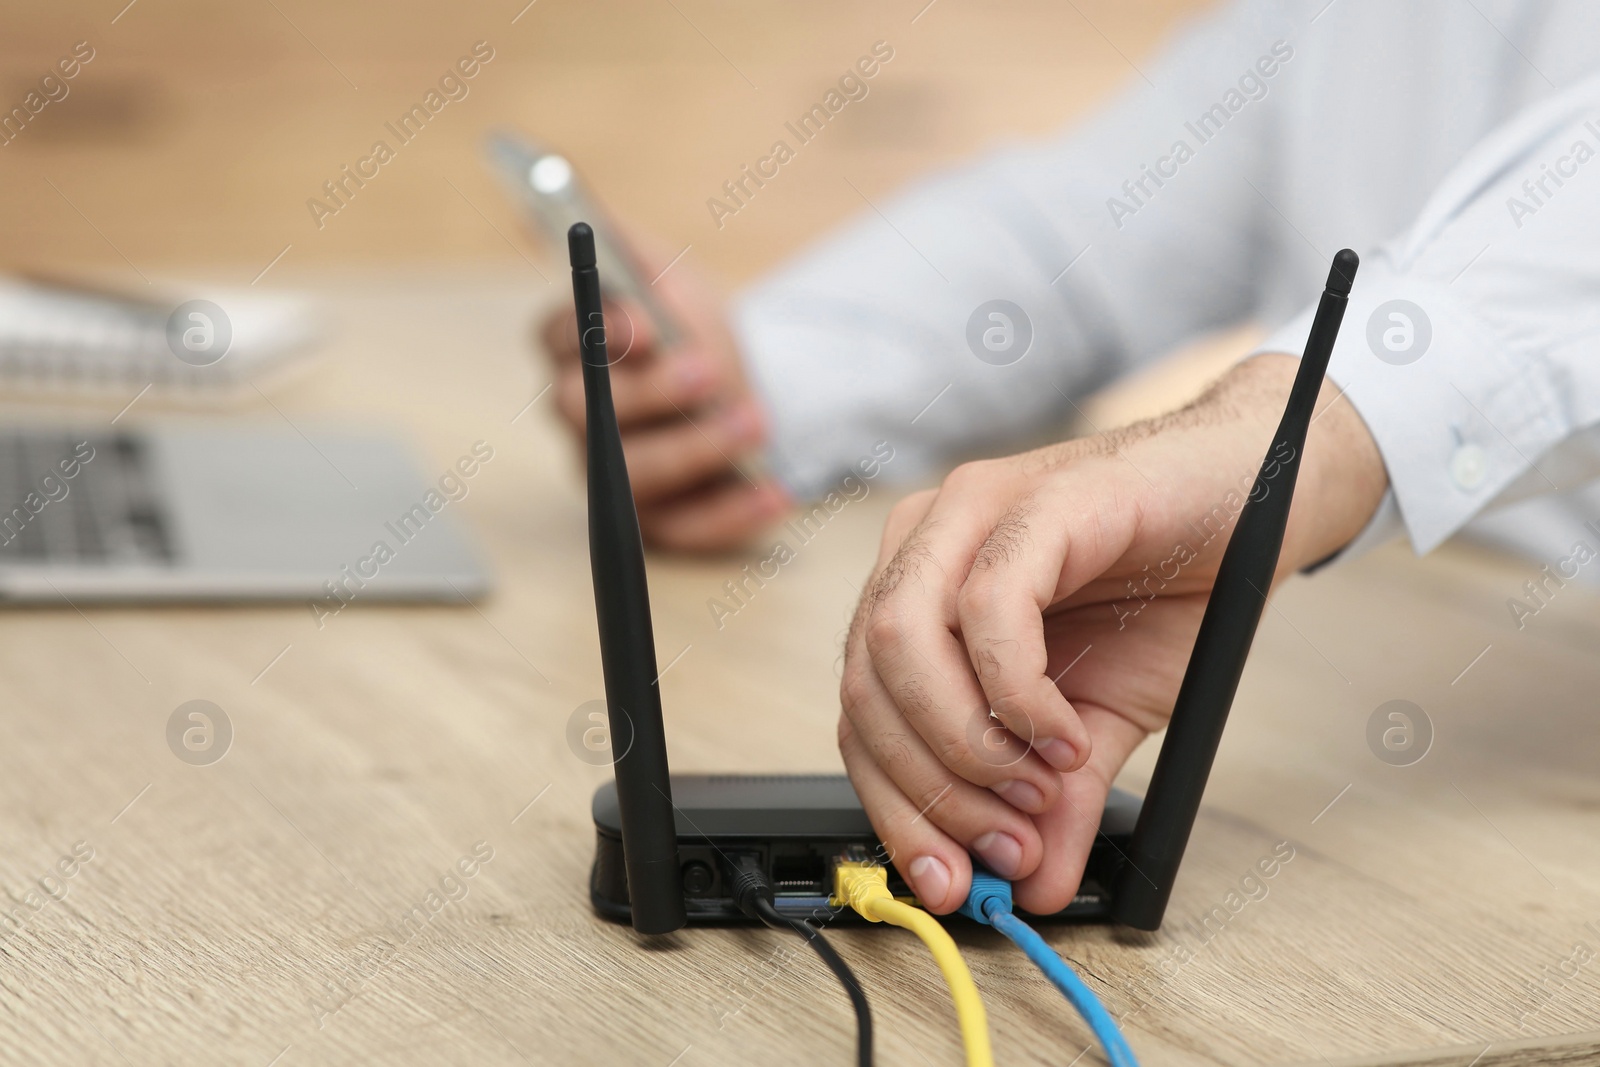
(1468, 465)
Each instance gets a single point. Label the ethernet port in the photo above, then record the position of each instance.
(798, 872)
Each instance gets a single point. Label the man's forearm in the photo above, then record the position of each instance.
(1342, 477)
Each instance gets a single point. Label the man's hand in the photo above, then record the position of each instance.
(689, 420)
(1061, 589)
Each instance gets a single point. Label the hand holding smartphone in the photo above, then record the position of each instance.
(692, 428)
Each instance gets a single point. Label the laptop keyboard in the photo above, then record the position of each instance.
(107, 513)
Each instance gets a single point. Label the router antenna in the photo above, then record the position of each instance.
(627, 642)
(1238, 596)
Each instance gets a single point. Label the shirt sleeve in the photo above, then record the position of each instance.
(1471, 342)
(974, 309)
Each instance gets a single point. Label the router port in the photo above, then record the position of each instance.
(698, 879)
(798, 872)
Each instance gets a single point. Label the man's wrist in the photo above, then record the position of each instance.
(1342, 478)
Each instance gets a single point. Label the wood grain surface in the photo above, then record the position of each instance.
(276, 903)
(199, 131)
(303, 900)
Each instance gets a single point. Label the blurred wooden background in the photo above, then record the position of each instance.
(197, 133)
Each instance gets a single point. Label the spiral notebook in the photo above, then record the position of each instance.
(60, 338)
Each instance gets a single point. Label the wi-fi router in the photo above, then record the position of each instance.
(665, 843)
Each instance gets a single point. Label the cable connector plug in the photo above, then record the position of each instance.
(989, 895)
(989, 902)
(860, 886)
(753, 894)
(865, 888)
(748, 884)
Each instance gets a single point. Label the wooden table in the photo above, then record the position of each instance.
(198, 132)
(255, 910)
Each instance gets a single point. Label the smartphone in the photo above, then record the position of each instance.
(549, 189)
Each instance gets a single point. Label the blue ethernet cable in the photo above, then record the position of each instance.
(989, 902)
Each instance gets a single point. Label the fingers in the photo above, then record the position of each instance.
(688, 452)
(1000, 612)
(1070, 826)
(903, 518)
(923, 667)
(687, 416)
(930, 814)
(933, 863)
(968, 741)
(643, 392)
(647, 384)
(678, 434)
(723, 515)
(965, 812)
(961, 736)
(630, 333)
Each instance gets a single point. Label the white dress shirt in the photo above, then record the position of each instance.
(1454, 144)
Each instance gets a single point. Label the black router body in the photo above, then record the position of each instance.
(665, 842)
(798, 826)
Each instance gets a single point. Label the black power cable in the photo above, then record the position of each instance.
(753, 893)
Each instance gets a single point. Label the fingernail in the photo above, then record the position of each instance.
(1023, 795)
(743, 424)
(774, 501)
(931, 879)
(692, 374)
(1057, 753)
(1001, 853)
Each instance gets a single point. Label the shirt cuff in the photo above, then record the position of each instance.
(1455, 417)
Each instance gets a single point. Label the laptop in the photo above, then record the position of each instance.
(206, 512)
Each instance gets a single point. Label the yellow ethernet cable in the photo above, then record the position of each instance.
(865, 889)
